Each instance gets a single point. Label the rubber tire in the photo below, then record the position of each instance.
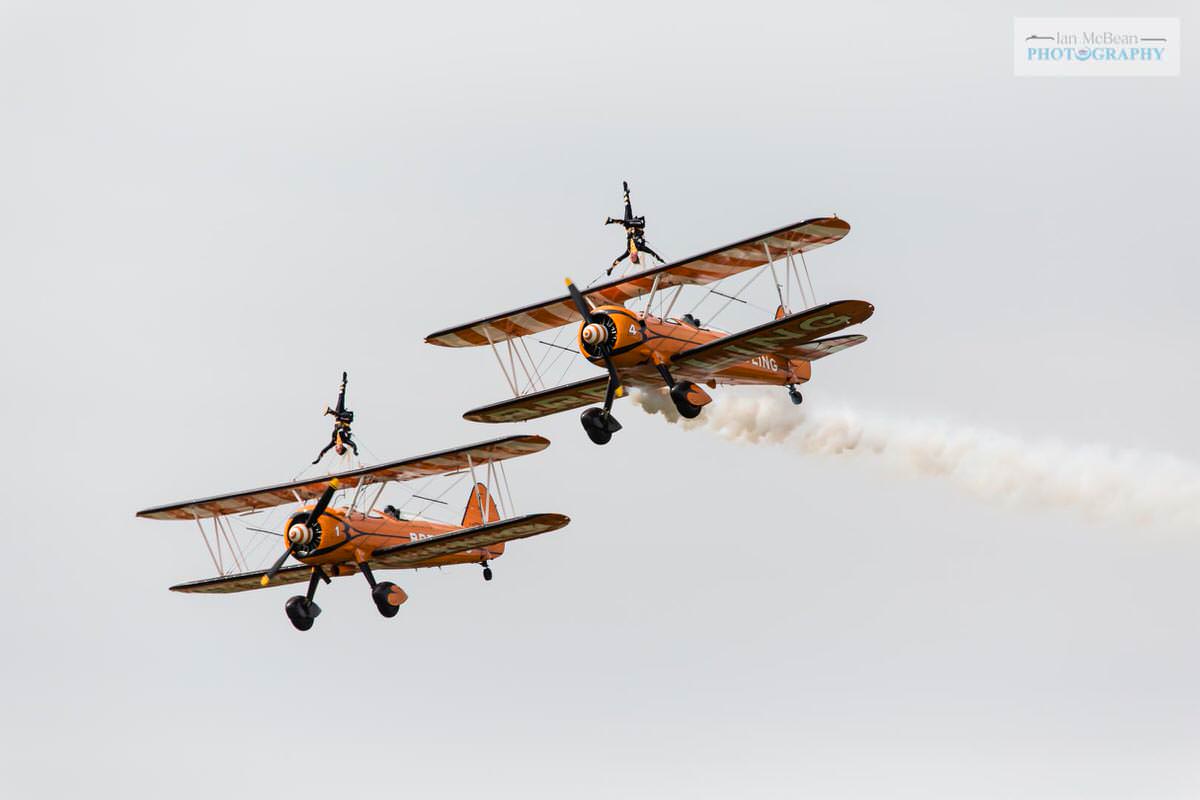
(678, 397)
(598, 436)
(301, 612)
(487, 573)
(796, 398)
(591, 419)
(380, 594)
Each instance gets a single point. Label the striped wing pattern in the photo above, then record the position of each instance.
(705, 268)
(415, 553)
(243, 581)
(422, 466)
(539, 404)
(782, 336)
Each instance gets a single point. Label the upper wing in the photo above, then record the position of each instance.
(414, 553)
(704, 268)
(539, 404)
(777, 336)
(405, 555)
(419, 467)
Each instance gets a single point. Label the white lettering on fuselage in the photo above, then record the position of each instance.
(766, 362)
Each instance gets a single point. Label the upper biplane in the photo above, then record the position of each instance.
(646, 350)
(333, 539)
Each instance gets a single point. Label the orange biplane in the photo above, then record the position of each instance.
(334, 540)
(641, 349)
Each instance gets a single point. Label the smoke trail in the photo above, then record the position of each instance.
(1100, 482)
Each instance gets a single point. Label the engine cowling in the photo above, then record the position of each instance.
(613, 329)
(308, 535)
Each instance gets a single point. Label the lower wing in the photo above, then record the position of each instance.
(411, 554)
(540, 404)
(783, 336)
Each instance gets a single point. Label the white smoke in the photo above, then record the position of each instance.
(1101, 482)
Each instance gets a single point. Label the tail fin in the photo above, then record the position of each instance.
(481, 509)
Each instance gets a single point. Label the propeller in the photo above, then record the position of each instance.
(591, 318)
(302, 532)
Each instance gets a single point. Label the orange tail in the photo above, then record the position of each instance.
(481, 509)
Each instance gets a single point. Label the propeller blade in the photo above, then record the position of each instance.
(277, 565)
(614, 380)
(322, 504)
(581, 304)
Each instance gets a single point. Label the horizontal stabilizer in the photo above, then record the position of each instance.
(822, 347)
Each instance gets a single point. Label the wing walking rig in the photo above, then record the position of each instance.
(336, 539)
(644, 350)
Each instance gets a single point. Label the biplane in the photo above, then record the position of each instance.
(655, 351)
(332, 540)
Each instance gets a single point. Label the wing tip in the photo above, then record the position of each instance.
(557, 520)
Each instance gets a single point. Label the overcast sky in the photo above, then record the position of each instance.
(209, 210)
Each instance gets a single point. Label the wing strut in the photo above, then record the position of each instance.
(775, 277)
(208, 547)
(511, 383)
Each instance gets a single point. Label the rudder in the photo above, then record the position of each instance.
(480, 509)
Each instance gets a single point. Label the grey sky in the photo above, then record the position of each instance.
(207, 211)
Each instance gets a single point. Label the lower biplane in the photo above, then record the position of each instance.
(645, 350)
(332, 540)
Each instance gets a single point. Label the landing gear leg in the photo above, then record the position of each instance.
(387, 595)
(794, 393)
(600, 424)
(487, 571)
(301, 609)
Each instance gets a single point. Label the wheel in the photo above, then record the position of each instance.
(388, 597)
(598, 436)
(598, 429)
(487, 573)
(797, 398)
(679, 398)
(302, 612)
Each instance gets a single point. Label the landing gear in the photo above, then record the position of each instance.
(599, 424)
(487, 572)
(388, 596)
(679, 393)
(301, 609)
(794, 393)
(302, 612)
